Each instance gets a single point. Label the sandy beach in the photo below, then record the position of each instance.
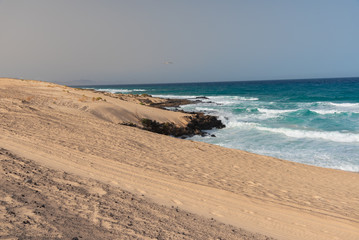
(69, 170)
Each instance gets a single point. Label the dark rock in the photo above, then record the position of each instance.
(202, 97)
(205, 122)
(130, 124)
(198, 122)
(172, 103)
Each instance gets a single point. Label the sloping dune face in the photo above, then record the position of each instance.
(53, 204)
(77, 132)
(49, 96)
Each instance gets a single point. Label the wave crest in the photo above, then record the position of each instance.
(330, 136)
(122, 90)
(344, 104)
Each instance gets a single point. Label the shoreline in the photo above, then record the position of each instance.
(79, 133)
(197, 122)
(173, 104)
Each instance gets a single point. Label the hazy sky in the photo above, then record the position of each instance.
(114, 41)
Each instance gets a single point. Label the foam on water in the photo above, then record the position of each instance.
(174, 96)
(232, 98)
(275, 111)
(345, 104)
(312, 122)
(330, 136)
(255, 128)
(346, 167)
(119, 90)
(324, 111)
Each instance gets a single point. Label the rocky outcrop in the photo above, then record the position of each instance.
(172, 103)
(198, 122)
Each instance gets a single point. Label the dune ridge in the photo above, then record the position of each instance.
(74, 131)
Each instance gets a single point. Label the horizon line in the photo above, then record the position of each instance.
(245, 81)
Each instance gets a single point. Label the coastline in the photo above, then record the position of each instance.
(311, 118)
(75, 132)
(197, 122)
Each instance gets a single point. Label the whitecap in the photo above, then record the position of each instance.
(334, 136)
(233, 98)
(111, 90)
(121, 90)
(205, 109)
(329, 111)
(344, 104)
(175, 96)
(276, 111)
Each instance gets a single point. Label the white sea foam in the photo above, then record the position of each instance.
(275, 111)
(205, 109)
(345, 104)
(326, 111)
(332, 108)
(111, 90)
(346, 167)
(221, 100)
(245, 125)
(174, 96)
(122, 90)
(235, 98)
(229, 100)
(334, 136)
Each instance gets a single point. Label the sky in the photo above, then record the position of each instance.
(163, 41)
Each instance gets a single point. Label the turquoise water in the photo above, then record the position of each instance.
(308, 121)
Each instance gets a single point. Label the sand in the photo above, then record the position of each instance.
(41, 203)
(75, 136)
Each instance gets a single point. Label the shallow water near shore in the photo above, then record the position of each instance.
(313, 121)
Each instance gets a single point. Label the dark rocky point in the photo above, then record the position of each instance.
(198, 122)
(172, 103)
(202, 97)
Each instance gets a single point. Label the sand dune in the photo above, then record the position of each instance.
(76, 132)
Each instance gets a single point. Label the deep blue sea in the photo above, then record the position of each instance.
(312, 121)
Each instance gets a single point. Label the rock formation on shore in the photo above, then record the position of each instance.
(198, 122)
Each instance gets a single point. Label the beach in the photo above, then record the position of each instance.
(66, 149)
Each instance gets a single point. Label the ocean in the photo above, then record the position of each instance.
(311, 121)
